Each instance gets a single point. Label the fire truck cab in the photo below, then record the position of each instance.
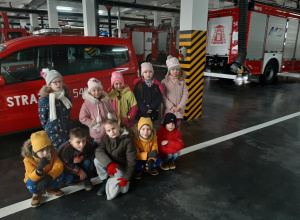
(273, 43)
(77, 58)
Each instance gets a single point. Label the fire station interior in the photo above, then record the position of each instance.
(240, 158)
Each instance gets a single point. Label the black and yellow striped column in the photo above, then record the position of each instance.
(193, 65)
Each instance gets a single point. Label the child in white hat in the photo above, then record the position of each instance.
(122, 100)
(55, 107)
(95, 110)
(175, 94)
(148, 93)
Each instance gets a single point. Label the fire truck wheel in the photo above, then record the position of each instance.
(149, 58)
(270, 73)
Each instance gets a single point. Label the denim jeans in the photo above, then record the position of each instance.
(95, 143)
(141, 163)
(32, 186)
(170, 157)
(85, 165)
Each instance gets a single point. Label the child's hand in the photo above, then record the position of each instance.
(82, 175)
(123, 182)
(111, 168)
(178, 109)
(174, 108)
(43, 162)
(149, 111)
(77, 159)
(164, 142)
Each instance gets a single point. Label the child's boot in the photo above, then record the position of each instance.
(138, 175)
(88, 185)
(35, 201)
(154, 172)
(164, 166)
(54, 192)
(172, 165)
(101, 191)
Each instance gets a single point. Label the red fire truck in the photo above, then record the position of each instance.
(7, 33)
(77, 58)
(153, 44)
(272, 42)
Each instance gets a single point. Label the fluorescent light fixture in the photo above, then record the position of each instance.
(100, 12)
(63, 8)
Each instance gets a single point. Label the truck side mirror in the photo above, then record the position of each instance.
(2, 82)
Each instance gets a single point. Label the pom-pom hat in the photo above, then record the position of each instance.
(39, 140)
(93, 82)
(116, 76)
(169, 118)
(50, 75)
(172, 63)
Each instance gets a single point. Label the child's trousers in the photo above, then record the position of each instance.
(170, 157)
(32, 186)
(85, 165)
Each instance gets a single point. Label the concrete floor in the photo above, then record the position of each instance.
(252, 176)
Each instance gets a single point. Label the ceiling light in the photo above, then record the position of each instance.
(63, 8)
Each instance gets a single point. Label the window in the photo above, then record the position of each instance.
(13, 35)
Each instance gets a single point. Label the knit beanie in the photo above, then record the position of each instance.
(169, 118)
(172, 63)
(146, 66)
(50, 75)
(93, 82)
(39, 140)
(116, 76)
(144, 121)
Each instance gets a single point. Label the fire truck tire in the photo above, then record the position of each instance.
(270, 73)
(149, 58)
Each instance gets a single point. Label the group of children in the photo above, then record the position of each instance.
(120, 149)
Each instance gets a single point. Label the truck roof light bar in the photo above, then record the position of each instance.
(48, 31)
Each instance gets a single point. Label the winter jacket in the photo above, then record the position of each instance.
(174, 138)
(151, 96)
(67, 153)
(57, 130)
(175, 94)
(89, 112)
(126, 108)
(143, 147)
(53, 169)
(119, 150)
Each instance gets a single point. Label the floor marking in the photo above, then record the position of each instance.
(11, 209)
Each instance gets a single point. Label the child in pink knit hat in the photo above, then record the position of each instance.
(148, 93)
(122, 100)
(175, 94)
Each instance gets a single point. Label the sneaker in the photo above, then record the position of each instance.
(172, 165)
(164, 166)
(154, 172)
(101, 191)
(88, 185)
(138, 175)
(54, 192)
(35, 201)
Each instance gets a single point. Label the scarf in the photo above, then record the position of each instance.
(149, 82)
(60, 96)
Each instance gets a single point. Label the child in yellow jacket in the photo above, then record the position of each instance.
(145, 141)
(44, 169)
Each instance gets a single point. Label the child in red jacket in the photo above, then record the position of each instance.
(169, 142)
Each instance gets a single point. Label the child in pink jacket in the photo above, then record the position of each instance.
(122, 100)
(175, 94)
(95, 110)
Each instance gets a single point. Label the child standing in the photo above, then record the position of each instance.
(44, 169)
(77, 155)
(115, 156)
(169, 142)
(145, 141)
(95, 110)
(148, 93)
(175, 94)
(55, 107)
(122, 100)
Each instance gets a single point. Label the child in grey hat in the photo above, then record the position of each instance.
(55, 107)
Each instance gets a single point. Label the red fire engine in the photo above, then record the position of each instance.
(7, 33)
(153, 44)
(77, 58)
(272, 42)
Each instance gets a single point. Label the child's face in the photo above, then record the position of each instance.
(56, 84)
(78, 143)
(175, 72)
(145, 131)
(170, 126)
(96, 92)
(148, 74)
(118, 86)
(112, 130)
(44, 152)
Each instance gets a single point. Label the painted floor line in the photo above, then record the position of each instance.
(11, 209)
